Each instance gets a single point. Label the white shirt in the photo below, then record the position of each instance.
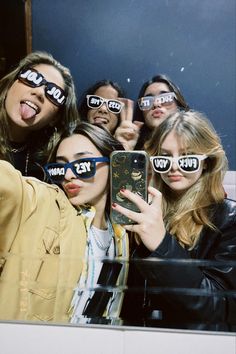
(100, 245)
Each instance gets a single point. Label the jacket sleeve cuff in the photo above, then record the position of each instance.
(168, 248)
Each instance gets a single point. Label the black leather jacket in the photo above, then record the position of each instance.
(191, 294)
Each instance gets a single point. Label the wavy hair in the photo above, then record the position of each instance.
(185, 216)
(44, 139)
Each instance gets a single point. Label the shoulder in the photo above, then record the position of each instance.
(227, 206)
(224, 213)
(230, 203)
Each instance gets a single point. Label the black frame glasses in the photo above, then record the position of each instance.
(32, 78)
(165, 99)
(185, 163)
(113, 106)
(82, 168)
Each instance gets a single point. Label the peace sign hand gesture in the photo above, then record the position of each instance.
(127, 132)
(150, 226)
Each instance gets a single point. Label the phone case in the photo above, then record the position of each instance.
(129, 170)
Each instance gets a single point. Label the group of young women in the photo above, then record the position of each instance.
(59, 248)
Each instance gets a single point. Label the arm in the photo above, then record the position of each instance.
(18, 199)
(156, 242)
(199, 287)
(11, 198)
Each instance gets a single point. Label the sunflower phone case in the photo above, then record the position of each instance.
(128, 170)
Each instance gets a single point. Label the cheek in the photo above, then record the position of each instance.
(101, 177)
(147, 116)
(163, 177)
(172, 108)
(113, 119)
(197, 176)
(49, 107)
(48, 114)
(104, 173)
(90, 115)
(10, 96)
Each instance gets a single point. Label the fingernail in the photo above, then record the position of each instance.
(122, 190)
(114, 205)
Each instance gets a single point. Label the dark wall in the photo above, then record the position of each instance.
(129, 41)
(12, 34)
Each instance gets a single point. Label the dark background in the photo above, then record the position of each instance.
(129, 41)
(12, 34)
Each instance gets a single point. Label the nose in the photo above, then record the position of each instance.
(174, 166)
(103, 108)
(39, 92)
(69, 174)
(156, 103)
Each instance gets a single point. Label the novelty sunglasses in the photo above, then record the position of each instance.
(186, 163)
(33, 78)
(82, 168)
(114, 106)
(166, 99)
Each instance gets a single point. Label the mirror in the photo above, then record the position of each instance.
(129, 42)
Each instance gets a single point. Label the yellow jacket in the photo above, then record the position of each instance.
(42, 244)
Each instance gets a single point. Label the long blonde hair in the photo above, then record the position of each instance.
(186, 216)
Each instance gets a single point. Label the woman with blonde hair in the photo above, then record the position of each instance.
(189, 219)
(37, 104)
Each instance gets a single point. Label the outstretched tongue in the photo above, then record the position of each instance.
(27, 112)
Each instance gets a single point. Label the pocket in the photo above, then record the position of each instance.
(51, 242)
(42, 304)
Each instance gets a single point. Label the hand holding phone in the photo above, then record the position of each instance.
(128, 170)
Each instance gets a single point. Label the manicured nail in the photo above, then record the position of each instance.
(114, 205)
(122, 190)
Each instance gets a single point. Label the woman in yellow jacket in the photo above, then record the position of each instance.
(48, 240)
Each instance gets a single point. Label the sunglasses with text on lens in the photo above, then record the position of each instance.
(186, 163)
(114, 106)
(82, 168)
(166, 99)
(33, 78)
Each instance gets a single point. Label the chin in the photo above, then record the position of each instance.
(155, 123)
(75, 201)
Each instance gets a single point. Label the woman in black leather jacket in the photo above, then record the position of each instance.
(189, 229)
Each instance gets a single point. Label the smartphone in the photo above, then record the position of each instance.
(128, 170)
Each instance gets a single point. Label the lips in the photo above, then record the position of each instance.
(72, 189)
(175, 178)
(157, 113)
(100, 120)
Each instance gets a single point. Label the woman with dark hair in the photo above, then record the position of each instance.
(37, 103)
(54, 246)
(157, 99)
(104, 103)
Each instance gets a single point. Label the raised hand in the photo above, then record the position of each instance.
(149, 222)
(128, 131)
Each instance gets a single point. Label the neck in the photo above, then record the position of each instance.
(99, 220)
(17, 134)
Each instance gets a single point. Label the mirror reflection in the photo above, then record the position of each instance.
(114, 204)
